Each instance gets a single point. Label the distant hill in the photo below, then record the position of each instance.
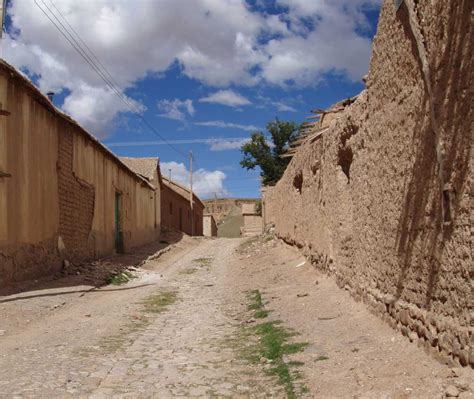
(228, 214)
(221, 207)
(230, 225)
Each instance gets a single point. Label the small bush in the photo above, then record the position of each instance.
(120, 278)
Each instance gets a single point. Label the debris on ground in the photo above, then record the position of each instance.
(121, 268)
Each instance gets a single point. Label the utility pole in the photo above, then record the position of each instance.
(3, 12)
(191, 190)
(169, 180)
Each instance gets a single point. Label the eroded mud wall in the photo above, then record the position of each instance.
(383, 200)
(76, 201)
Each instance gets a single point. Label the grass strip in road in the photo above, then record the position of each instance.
(113, 343)
(153, 304)
(189, 270)
(257, 304)
(272, 347)
(203, 262)
(159, 303)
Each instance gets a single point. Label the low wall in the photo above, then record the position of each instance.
(253, 225)
(383, 200)
(209, 226)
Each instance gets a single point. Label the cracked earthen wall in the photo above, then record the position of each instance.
(58, 201)
(76, 201)
(365, 201)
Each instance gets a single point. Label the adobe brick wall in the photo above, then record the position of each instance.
(76, 202)
(364, 202)
(19, 262)
(268, 207)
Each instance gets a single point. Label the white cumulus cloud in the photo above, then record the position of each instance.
(226, 145)
(176, 109)
(334, 44)
(206, 183)
(226, 97)
(228, 125)
(222, 43)
(282, 107)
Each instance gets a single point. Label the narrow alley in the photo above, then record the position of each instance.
(192, 324)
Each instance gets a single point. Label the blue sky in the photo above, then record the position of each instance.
(217, 69)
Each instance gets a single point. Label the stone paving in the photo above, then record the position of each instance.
(179, 352)
(180, 330)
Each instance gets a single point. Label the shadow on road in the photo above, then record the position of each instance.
(59, 293)
(93, 273)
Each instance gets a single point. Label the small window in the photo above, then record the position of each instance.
(171, 208)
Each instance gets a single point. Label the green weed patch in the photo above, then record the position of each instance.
(121, 278)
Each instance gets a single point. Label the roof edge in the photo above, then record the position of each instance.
(167, 180)
(44, 101)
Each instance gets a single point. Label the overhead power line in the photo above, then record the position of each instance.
(61, 23)
(93, 61)
(104, 68)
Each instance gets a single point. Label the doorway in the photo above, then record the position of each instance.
(118, 227)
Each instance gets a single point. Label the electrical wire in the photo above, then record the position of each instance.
(80, 46)
(97, 69)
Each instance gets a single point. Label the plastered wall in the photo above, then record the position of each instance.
(368, 201)
(209, 226)
(58, 200)
(137, 199)
(28, 152)
(157, 183)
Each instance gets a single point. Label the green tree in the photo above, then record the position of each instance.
(258, 152)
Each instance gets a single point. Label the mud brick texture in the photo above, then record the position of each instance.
(369, 202)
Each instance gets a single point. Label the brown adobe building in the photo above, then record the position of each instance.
(63, 194)
(176, 210)
(149, 169)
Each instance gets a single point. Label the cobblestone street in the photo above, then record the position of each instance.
(169, 333)
(178, 351)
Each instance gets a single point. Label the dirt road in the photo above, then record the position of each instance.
(211, 318)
